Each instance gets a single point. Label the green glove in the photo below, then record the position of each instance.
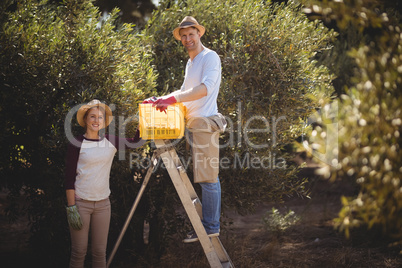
(73, 217)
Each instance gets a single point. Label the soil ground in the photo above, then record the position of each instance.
(311, 242)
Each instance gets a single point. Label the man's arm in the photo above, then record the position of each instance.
(191, 94)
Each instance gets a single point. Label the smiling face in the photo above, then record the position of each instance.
(94, 120)
(190, 38)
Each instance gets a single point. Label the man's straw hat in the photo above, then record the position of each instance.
(94, 103)
(188, 22)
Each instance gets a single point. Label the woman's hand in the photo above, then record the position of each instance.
(73, 217)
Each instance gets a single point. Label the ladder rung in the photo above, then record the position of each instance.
(226, 265)
(198, 206)
(181, 169)
(213, 248)
(196, 201)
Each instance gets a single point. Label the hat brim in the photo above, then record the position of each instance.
(176, 32)
(84, 108)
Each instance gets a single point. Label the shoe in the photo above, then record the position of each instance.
(192, 236)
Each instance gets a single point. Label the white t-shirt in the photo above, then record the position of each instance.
(93, 169)
(204, 68)
(89, 161)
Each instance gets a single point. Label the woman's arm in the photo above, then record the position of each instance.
(73, 154)
(70, 193)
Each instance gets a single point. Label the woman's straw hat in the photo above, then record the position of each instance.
(94, 103)
(188, 22)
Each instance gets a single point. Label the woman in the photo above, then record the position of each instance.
(87, 183)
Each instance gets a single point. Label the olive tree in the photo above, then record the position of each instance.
(53, 57)
(271, 83)
(368, 119)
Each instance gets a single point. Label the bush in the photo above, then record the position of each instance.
(270, 85)
(277, 223)
(53, 57)
(369, 120)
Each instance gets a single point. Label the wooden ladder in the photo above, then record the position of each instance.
(213, 248)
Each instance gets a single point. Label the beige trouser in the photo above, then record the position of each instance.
(204, 140)
(95, 215)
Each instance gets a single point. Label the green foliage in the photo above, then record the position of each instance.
(270, 84)
(340, 63)
(53, 57)
(369, 120)
(277, 223)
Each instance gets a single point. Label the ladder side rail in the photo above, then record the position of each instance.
(217, 244)
(221, 251)
(183, 173)
(189, 207)
(186, 181)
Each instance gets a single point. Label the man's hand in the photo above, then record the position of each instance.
(163, 102)
(150, 100)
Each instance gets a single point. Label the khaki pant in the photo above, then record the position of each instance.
(95, 215)
(204, 141)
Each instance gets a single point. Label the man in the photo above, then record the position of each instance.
(199, 94)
